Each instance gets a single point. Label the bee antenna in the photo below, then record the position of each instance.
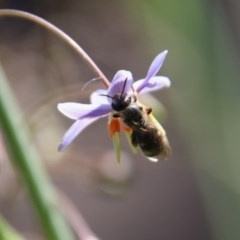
(105, 95)
(124, 85)
(89, 82)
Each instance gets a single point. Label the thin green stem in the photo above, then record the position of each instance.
(7, 232)
(42, 22)
(29, 166)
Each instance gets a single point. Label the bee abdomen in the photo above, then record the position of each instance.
(152, 143)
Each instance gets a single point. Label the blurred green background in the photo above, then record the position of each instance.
(194, 195)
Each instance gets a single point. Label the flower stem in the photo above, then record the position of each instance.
(29, 166)
(59, 33)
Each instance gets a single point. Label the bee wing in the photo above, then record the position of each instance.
(157, 124)
(153, 159)
(166, 147)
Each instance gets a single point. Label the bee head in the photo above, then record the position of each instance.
(120, 102)
(123, 100)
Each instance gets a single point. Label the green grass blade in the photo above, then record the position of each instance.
(29, 166)
(7, 232)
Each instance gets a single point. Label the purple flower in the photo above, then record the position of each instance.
(100, 106)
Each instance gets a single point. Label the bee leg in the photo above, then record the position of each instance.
(134, 139)
(148, 110)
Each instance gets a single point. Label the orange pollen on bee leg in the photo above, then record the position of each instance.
(113, 126)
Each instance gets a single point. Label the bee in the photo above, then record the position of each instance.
(147, 133)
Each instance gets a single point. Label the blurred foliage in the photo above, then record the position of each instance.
(6, 232)
(29, 166)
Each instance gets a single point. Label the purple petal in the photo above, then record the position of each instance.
(98, 111)
(156, 64)
(78, 110)
(99, 96)
(77, 127)
(121, 83)
(154, 84)
(153, 69)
